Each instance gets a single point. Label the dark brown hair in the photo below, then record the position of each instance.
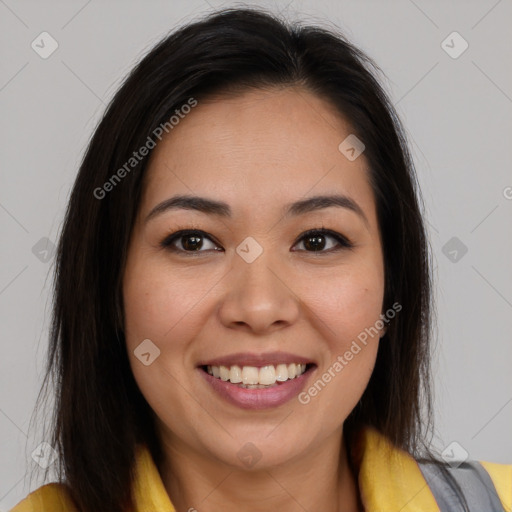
(100, 414)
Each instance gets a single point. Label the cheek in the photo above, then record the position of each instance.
(159, 303)
(167, 307)
(158, 308)
(348, 302)
(347, 309)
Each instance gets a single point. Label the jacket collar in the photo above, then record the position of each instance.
(389, 479)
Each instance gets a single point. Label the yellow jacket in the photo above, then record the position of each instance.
(389, 481)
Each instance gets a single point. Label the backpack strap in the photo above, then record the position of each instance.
(473, 479)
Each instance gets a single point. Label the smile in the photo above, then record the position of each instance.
(257, 381)
(252, 377)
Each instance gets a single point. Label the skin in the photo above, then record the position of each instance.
(256, 151)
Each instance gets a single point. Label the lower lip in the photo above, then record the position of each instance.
(263, 398)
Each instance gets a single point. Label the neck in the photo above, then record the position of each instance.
(321, 479)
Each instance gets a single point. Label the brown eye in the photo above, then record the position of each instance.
(189, 241)
(321, 240)
(315, 242)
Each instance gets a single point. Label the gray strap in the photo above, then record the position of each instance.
(473, 479)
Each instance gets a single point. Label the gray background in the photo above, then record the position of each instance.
(458, 116)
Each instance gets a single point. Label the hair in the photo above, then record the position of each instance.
(99, 415)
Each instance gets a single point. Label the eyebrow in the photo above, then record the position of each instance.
(222, 209)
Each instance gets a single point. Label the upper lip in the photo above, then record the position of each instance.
(250, 359)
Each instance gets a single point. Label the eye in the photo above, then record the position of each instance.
(195, 241)
(188, 240)
(317, 240)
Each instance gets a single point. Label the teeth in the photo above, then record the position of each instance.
(250, 375)
(267, 375)
(281, 372)
(235, 374)
(224, 373)
(253, 377)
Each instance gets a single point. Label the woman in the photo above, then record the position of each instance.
(242, 309)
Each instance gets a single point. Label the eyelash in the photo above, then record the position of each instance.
(343, 242)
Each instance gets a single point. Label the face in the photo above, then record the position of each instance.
(237, 297)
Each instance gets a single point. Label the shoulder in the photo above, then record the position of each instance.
(390, 475)
(52, 497)
(501, 476)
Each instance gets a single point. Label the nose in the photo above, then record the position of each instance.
(258, 297)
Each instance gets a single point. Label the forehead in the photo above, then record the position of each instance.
(262, 146)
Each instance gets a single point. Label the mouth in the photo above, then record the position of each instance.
(257, 381)
(254, 377)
